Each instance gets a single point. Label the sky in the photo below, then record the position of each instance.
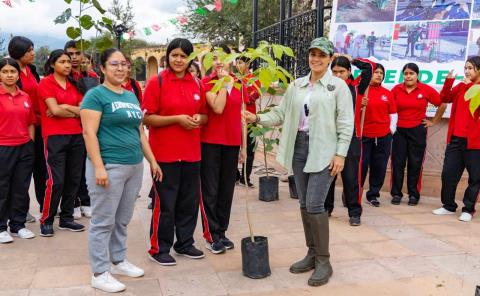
(35, 19)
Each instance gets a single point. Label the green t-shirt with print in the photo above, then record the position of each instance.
(118, 133)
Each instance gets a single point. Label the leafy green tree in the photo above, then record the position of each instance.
(2, 46)
(123, 13)
(84, 21)
(233, 24)
(41, 57)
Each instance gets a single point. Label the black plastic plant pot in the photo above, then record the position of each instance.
(268, 190)
(292, 187)
(255, 261)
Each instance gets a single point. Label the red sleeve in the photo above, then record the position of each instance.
(92, 74)
(206, 83)
(392, 105)
(447, 95)
(45, 90)
(32, 119)
(358, 114)
(151, 98)
(246, 97)
(140, 94)
(433, 97)
(203, 99)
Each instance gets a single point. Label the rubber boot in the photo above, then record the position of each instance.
(307, 263)
(320, 234)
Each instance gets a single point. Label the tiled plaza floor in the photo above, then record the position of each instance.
(398, 250)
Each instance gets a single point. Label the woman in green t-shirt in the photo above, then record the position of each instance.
(116, 144)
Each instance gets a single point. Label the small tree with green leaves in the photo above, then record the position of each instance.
(84, 21)
(268, 73)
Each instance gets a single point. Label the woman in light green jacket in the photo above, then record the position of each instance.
(317, 117)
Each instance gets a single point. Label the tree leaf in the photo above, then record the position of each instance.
(474, 104)
(106, 20)
(86, 22)
(288, 51)
(64, 17)
(277, 51)
(83, 44)
(98, 6)
(73, 33)
(208, 61)
(472, 92)
(68, 1)
(265, 77)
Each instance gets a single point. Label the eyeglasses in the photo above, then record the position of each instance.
(117, 64)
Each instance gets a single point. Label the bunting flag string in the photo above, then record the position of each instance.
(181, 20)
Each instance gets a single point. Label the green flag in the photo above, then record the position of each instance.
(201, 11)
(234, 2)
(147, 31)
(173, 21)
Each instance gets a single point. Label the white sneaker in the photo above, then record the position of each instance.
(126, 268)
(5, 237)
(24, 233)
(77, 213)
(442, 211)
(106, 282)
(86, 211)
(465, 217)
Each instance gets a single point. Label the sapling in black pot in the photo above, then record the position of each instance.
(255, 258)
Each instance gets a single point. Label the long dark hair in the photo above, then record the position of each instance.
(13, 63)
(18, 47)
(184, 44)
(342, 62)
(380, 66)
(52, 59)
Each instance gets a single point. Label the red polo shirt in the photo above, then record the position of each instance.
(177, 96)
(16, 115)
(225, 128)
(49, 88)
(128, 86)
(377, 114)
(30, 85)
(78, 74)
(412, 106)
(253, 94)
(462, 123)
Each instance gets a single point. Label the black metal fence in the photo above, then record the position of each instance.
(295, 32)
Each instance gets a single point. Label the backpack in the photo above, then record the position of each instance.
(86, 83)
(134, 87)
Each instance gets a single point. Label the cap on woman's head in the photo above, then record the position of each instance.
(323, 44)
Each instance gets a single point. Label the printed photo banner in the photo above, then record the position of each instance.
(437, 35)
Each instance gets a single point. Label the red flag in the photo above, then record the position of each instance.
(218, 5)
(9, 3)
(156, 27)
(182, 20)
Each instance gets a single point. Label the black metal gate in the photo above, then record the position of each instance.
(295, 32)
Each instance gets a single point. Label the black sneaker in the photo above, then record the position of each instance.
(329, 211)
(354, 221)
(412, 201)
(164, 259)
(46, 230)
(192, 253)
(150, 206)
(216, 247)
(374, 202)
(72, 226)
(228, 244)
(396, 200)
(242, 183)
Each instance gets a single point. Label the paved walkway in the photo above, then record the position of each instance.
(399, 250)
